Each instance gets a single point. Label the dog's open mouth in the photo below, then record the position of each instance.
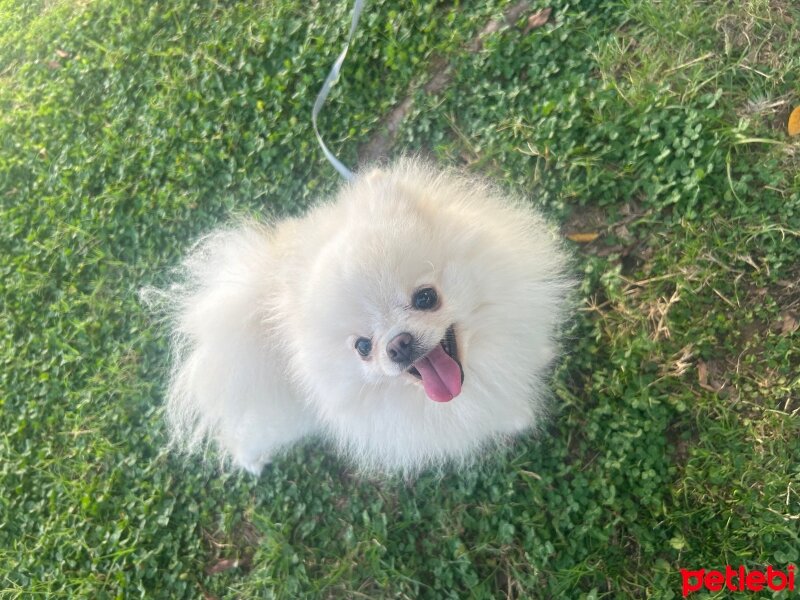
(440, 370)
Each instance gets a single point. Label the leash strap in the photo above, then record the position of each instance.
(333, 75)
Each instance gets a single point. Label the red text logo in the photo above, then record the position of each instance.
(737, 580)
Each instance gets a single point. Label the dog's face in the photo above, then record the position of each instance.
(389, 306)
(414, 342)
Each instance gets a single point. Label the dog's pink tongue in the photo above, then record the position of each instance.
(441, 375)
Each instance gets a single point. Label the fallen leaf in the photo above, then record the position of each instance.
(62, 54)
(702, 378)
(224, 564)
(789, 324)
(702, 373)
(794, 122)
(583, 238)
(624, 233)
(53, 64)
(538, 19)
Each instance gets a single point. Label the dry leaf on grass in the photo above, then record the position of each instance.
(583, 238)
(794, 122)
(538, 19)
(789, 324)
(702, 376)
(224, 564)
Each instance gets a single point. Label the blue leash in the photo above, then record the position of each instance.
(326, 89)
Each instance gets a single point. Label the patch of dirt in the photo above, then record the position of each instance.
(233, 551)
(585, 219)
(712, 375)
(745, 363)
(681, 440)
(589, 226)
(439, 77)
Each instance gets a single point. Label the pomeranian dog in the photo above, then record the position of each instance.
(411, 321)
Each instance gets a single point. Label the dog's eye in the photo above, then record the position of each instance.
(363, 346)
(425, 299)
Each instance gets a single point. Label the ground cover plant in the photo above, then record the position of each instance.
(654, 132)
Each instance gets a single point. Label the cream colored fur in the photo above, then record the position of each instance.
(266, 317)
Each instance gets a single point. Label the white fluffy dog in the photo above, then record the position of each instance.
(410, 321)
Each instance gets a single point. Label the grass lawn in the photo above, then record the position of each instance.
(128, 128)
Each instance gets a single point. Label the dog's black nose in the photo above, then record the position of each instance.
(400, 348)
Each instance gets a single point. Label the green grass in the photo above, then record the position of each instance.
(129, 128)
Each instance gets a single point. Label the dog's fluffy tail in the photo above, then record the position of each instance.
(221, 358)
